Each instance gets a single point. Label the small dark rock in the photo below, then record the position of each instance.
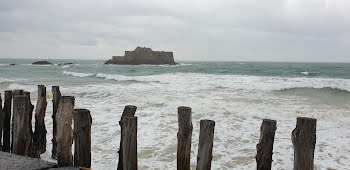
(42, 63)
(12, 64)
(65, 64)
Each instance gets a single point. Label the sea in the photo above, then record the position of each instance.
(236, 95)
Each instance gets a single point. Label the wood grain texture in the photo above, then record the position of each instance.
(304, 141)
(184, 136)
(64, 117)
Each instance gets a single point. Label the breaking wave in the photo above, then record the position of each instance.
(239, 82)
(77, 74)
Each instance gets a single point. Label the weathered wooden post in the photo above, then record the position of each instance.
(82, 138)
(2, 116)
(14, 94)
(129, 111)
(205, 146)
(64, 131)
(55, 101)
(304, 140)
(184, 136)
(265, 146)
(39, 139)
(129, 143)
(29, 110)
(7, 121)
(21, 135)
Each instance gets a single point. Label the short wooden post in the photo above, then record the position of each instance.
(205, 146)
(55, 101)
(7, 121)
(64, 131)
(265, 146)
(30, 114)
(82, 138)
(14, 94)
(129, 143)
(129, 111)
(21, 135)
(2, 116)
(304, 140)
(184, 136)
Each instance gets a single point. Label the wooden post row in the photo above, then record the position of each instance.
(265, 146)
(55, 102)
(64, 131)
(184, 137)
(129, 112)
(82, 138)
(304, 140)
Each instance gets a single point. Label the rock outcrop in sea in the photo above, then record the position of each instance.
(42, 63)
(143, 55)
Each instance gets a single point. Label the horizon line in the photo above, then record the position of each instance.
(278, 61)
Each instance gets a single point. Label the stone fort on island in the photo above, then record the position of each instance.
(143, 55)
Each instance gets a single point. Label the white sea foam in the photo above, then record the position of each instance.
(16, 86)
(66, 66)
(236, 103)
(77, 74)
(305, 73)
(238, 115)
(116, 77)
(176, 65)
(235, 81)
(2, 79)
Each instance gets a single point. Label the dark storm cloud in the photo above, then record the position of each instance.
(278, 30)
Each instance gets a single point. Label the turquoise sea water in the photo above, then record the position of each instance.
(237, 95)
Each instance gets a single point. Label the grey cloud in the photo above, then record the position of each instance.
(279, 30)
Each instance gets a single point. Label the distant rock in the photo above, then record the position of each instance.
(42, 63)
(142, 55)
(65, 64)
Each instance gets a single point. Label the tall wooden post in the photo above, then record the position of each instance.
(2, 116)
(30, 114)
(7, 121)
(64, 131)
(82, 138)
(265, 146)
(184, 136)
(55, 101)
(205, 146)
(129, 143)
(14, 94)
(39, 139)
(304, 140)
(21, 135)
(129, 111)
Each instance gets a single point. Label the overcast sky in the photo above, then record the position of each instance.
(204, 30)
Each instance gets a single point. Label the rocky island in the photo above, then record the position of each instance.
(143, 55)
(41, 63)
